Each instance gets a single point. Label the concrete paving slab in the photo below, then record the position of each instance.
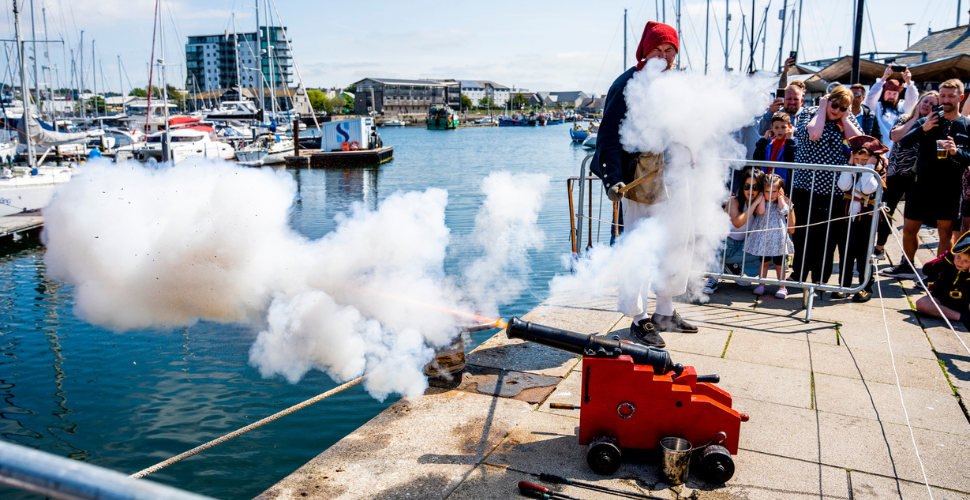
(395, 461)
(932, 410)
(489, 481)
(780, 430)
(955, 358)
(772, 384)
(569, 391)
(603, 300)
(866, 329)
(706, 341)
(765, 476)
(875, 487)
(887, 449)
(772, 350)
(846, 361)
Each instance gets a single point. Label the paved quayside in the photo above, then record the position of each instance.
(826, 418)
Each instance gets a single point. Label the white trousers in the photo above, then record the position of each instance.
(675, 250)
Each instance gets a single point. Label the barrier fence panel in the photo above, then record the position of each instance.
(824, 227)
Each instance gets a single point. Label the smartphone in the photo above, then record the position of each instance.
(793, 54)
(898, 69)
(780, 93)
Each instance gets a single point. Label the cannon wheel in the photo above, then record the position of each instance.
(716, 465)
(603, 456)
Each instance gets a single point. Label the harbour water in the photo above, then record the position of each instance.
(126, 401)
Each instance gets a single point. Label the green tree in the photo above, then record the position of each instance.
(466, 102)
(336, 103)
(348, 103)
(318, 100)
(138, 92)
(486, 102)
(97, 102)
(351, 88)
(519, 101)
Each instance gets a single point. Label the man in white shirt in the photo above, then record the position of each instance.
(884, 101)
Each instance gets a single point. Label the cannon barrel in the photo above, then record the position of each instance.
(591, 345)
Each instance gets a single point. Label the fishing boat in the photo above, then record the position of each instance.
(578, 134)
(442, 118)
(270, 150)
(514, 121)
(395, 123)
(556, 120)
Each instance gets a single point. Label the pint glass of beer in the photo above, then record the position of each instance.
(941, 151)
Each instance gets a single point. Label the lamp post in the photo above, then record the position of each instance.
(909, 28)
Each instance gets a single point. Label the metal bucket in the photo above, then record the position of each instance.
(675, 463)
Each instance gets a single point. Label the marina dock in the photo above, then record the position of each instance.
(13, 226)
(315, 158)
(826, 416)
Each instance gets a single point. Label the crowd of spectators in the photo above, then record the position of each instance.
(916, 146)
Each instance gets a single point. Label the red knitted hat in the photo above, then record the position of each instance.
(653, 35)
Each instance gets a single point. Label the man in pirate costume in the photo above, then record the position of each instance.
(949, 277)
(635, 180)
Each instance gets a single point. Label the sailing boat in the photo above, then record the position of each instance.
(30, 187)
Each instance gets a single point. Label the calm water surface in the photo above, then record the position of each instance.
(127, 401)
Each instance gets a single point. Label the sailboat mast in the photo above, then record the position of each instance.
(33, 35)
(707, 34)
(751, 41)
(680, 36)
(80, 76)
(269, 58)
(24, 92)
(235, 51)
(781, 41)
(121, 86)
(727, 39)
(161, 67)
(50, 84)
(259, 60)
(94, 78)
(798, 36)
(624, 40)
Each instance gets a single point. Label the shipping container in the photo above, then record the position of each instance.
(359, 130)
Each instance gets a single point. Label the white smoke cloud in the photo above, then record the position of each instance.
(201, 240)
(693, 118)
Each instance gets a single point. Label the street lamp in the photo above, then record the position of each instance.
(909, 27)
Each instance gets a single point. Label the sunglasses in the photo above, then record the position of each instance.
(836, 106)
(749, 187)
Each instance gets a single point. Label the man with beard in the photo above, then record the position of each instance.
(938, 192)
(619, 167)
(884, 101)
(791, 104)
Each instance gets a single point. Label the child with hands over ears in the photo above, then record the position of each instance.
(769, 230)
(777, 145)
(949, 275)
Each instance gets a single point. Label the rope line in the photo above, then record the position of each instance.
(919, 279)
(757, 230)
(227, 437)
(892, 358)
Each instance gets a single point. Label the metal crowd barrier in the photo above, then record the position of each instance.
(62, 478)
(836, 196)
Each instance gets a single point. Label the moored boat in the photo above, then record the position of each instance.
(442, 118)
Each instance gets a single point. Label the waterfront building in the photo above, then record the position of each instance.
(213, 61)
(477, 90)
(395, 96)
(561, 100)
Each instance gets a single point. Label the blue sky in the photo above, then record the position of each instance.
(537, 45)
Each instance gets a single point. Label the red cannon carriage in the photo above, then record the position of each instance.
(633, 396)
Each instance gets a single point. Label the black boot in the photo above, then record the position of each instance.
(645, 333)
(672, 323)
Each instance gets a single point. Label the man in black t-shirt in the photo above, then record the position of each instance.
(944, 141)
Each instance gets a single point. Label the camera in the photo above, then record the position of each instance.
(898, 69)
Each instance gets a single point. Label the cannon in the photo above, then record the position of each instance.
(633, 396)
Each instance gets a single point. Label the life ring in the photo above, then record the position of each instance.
(354, 146)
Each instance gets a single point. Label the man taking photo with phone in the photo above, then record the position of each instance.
(884, 101)
(943, 137)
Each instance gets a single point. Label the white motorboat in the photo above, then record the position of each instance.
(395, 123)
(184, 143)
(268, 152)
(590, 142)
(23, 189)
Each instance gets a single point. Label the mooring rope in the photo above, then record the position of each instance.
(919, 280)
(227, 437)
(899, 388)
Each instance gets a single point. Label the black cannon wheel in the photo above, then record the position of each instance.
(603, 456)
(716, 465)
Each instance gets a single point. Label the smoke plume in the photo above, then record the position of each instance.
(147, 248)
(693, 118)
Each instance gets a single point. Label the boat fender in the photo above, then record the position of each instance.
(354, 146)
